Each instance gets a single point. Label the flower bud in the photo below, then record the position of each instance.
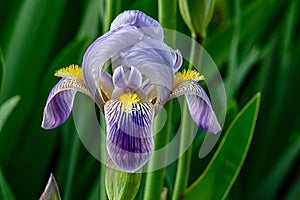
(121, 185)
(51, 191)
(197, 15)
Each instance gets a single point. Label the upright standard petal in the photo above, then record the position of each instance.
(156, 61)
(140, 20)
(127, 77)
(199, 105)
(150, 50)
(105, 47)
(60, 102)
(129, 134)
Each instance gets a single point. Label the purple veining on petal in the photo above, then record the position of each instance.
(202, 113)
(140, 117)
(129, 134)
(178, 61)
(129, 143)
(199, 105)
(149, 50)
(134, 78)
(102, 49)
(140, 20)
(156, 61)
(119, 78)
(58, 107)
(127, 77)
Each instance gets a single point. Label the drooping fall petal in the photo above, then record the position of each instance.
(60, 102)
(199, 105)
(129, 134)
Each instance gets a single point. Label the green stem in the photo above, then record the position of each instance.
(155, 180)
(71, 166)
(112, 8)
(102, 189)
(167, 11)
(186, 137)
(184, 162)
(102, 192)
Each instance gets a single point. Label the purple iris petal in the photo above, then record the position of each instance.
(59, 105)
(178, 62)
(140, 20)
(150, 50)
(127, 77)
(108, 45)
(106, 81)
(199, 105)
(129, 134)
(155, 60)
(119, 78)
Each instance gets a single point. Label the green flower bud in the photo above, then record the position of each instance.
(121, 185)
(197, 15)
(51, 191)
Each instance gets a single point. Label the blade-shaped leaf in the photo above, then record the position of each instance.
(1, 68)
(6, 108)
(220, 174)
(269, 187)
(5, 191)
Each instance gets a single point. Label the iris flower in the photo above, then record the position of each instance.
(146, 75)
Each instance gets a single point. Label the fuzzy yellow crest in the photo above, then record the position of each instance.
(71, 71)
(186, 75)
(127, 100)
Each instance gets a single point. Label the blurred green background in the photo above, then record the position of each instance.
(254, 43)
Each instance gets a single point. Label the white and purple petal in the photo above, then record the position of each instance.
(199, 105)
(140, 20)
(150, 50)
(105, 47)
(60, 102)
(127, 77)
(157, 62)
(129, 134)
(106, 83)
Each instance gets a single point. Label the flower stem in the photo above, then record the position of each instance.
(183, 166)
(112, 8)
(155, 180)
(167, 11)
(102, 190)
(187, 134)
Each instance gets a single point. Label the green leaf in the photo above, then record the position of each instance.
(6, 108)
(36, 32)
(5, 191)
(269, 187)
(222, 171)
(1, 68)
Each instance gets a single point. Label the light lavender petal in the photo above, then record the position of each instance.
(129, 134)
(108, 45)
(140, 20)
(178, 62)
(106, 83)
(155, 60)
(60, 102)
(149, 50)
(134, 78)
(199, 105)
(127, 77)
(119, 78)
